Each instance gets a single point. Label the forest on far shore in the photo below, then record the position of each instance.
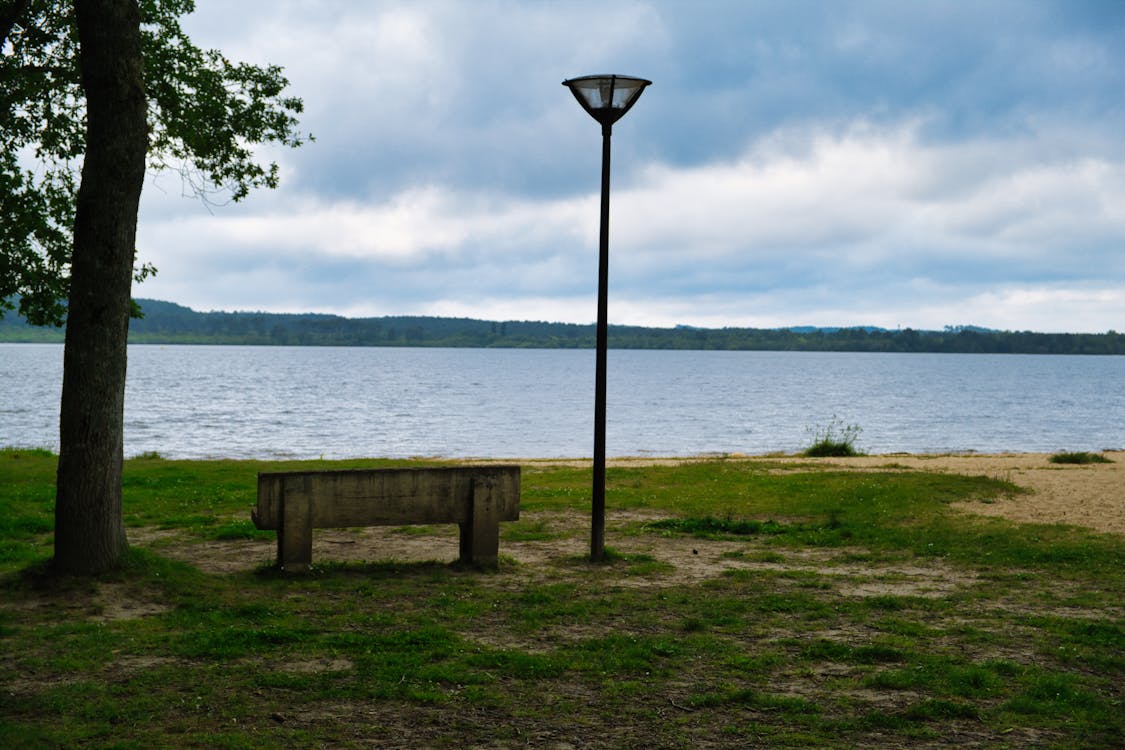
(169, 323)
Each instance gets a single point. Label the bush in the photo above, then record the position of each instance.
(18, 452)
(1078, 457)
(834, 440)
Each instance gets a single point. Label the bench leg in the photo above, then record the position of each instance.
(480, 536)
(294, 533)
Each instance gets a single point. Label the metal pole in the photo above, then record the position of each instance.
(597, 530)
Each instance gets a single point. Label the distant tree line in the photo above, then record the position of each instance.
(168, 323)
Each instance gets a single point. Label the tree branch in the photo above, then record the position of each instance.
(10, 12)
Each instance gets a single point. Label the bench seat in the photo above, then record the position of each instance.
(476, 498)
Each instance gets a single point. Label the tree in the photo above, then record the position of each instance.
(40, 117)
(89, 527)
(112, 84)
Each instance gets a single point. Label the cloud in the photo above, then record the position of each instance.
(829, 217)
(415, 93)
(871, 200)
(794, 163)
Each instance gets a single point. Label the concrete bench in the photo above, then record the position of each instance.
(475, 497)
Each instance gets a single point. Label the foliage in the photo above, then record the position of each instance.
(1000, 636)
(169, 323)
(709, 526)
(1079, 457)
(206, 113)
(835, 439)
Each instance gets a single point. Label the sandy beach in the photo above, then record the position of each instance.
(1090, 495)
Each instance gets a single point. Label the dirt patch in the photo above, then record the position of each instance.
(645, 560)
(97, 601)
(120, 602)
(316, 666)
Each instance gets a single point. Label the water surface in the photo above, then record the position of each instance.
(306, 402)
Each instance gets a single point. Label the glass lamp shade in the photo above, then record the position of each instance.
(607, 98)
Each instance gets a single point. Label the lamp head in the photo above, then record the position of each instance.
(607, 97)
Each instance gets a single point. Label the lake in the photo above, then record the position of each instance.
(308, 402)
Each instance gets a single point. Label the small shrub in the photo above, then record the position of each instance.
(710, 526)
(834, 440)
(1078, 457)
(694, 625)
(18, 452)
(238, 530)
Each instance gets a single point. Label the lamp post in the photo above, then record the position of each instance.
(606, 98)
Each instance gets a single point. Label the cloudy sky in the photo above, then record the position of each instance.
(826, 163)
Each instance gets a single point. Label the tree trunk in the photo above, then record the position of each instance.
(89, 526)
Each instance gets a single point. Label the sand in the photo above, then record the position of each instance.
(1090, 495)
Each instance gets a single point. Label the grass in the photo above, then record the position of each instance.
(740, 606)
(1078, 457)
(834, 440)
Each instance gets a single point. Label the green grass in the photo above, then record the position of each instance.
(711, 527)
(834, 440)
(1078, 457)
(739, 606)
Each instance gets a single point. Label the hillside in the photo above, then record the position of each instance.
(169, 323)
